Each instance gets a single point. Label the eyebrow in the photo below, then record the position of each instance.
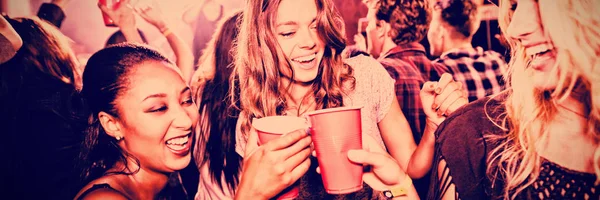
(162, 95)
(185, 90)
(288, 23)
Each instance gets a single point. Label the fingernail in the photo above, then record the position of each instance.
(308, 131)
(434, 106)
(431, 86)
(438, 90)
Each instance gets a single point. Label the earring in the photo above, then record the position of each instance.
(118, 137)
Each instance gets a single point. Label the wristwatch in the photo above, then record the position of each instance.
(401, 190)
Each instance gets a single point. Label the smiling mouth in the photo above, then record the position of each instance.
(305, 59)
(538, 50)
(178, 143)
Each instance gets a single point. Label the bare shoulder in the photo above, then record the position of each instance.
(101, 188)
(104, 193)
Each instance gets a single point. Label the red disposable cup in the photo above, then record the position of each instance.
(110, 4)
(334, 132)
(269, 128)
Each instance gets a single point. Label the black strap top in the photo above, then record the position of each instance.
(558, 182)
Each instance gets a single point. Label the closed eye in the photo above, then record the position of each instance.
(189, 101)
(160, 109)
(287, 34)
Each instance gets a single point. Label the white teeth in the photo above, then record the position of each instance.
(305, 58)
(178, 141)
(537, 49)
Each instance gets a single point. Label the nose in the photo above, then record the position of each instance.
(525, 21)
(183, 119)
(307, 40)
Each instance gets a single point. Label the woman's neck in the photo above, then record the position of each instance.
(299, 96)
(568, 135)
(145, 183)
(572, 108)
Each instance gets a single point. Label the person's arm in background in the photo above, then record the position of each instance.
(439, 100)
(123, 17)
(53, 12)
(192, 11)
(183, 53)
(10, 41)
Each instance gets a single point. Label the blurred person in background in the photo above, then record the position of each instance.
(42, 114)
(123, 16)
(453, 24)
(10, 41)
(219, 164)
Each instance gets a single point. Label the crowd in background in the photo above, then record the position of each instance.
(139, 119)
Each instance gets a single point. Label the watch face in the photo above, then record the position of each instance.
(388, 194)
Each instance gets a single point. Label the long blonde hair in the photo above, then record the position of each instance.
(259, 56)
(574, 27)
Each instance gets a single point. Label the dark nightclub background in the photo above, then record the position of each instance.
(85, 27)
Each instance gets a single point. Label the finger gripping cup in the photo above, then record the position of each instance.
(269, 128)
(334, 131)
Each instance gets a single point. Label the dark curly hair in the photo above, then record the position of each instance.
(409, 19)
(460, 14)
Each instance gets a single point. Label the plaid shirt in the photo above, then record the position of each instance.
(410, 67)
(480, 71)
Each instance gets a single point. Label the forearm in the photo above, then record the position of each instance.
(183, 54)
(243, 194)
(421, 160)
(246, 191)
(131, 34)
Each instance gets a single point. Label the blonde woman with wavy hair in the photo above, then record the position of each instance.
(539, 138)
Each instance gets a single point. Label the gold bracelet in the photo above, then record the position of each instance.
(167, 32)
(401, 190)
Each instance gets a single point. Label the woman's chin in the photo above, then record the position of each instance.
(179, 163)
(305, 78)
(544, 83)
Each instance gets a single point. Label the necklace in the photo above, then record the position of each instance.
(571, 110)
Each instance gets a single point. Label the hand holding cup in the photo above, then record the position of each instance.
(275, 165)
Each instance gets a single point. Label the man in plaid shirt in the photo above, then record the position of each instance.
(393, 35)
(451, 30)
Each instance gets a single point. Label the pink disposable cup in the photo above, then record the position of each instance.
(334, 132)
(269, 128)
(110, 4)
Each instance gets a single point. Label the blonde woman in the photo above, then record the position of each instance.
(289, 62)
(538, 139)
